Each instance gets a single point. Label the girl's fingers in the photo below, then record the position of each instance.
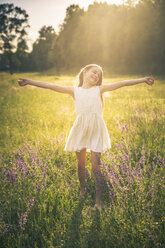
(151, 81)
(22, 82)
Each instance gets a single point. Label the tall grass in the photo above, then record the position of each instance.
(40, 204)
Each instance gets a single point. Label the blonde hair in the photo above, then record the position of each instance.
(80, 76)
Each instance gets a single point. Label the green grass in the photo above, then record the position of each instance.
(39, 182)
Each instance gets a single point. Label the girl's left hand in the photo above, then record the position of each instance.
(22, 81)
(149, 80)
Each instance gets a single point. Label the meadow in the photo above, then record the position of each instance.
(40, 205)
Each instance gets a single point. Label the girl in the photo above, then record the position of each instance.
(89, 131)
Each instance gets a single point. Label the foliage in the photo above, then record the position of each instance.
(13, 21)
(125, 39)
(42, 49)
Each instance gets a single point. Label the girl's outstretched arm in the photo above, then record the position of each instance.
(115, 86)
(58, 88)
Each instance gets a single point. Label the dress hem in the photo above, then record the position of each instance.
(88, 149)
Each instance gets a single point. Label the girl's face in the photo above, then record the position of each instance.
(92, 75)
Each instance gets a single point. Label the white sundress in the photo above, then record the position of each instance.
(89, 130)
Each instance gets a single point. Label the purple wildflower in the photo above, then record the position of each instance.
(23, 220)
(31, 202)
(23, 217)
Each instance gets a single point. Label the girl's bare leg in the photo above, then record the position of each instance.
(95, 158)
(81, 162)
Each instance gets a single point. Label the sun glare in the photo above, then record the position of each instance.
(86, 3)
(113, 1)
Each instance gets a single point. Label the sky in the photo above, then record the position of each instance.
(49, 12)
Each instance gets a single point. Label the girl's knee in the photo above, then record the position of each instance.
(81, 157)
(95, 158)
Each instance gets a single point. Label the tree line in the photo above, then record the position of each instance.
(126, 38)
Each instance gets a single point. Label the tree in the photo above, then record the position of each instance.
(13, 21)
(42, 49)
(64, 50)
(22, 55)
(131, 3)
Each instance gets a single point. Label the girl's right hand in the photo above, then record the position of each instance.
(22, 81)
(149, 80)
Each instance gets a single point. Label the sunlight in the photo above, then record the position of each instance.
(117, 2)
(113, 1)
(86, 3)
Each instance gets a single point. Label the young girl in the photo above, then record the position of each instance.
(89, 131)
